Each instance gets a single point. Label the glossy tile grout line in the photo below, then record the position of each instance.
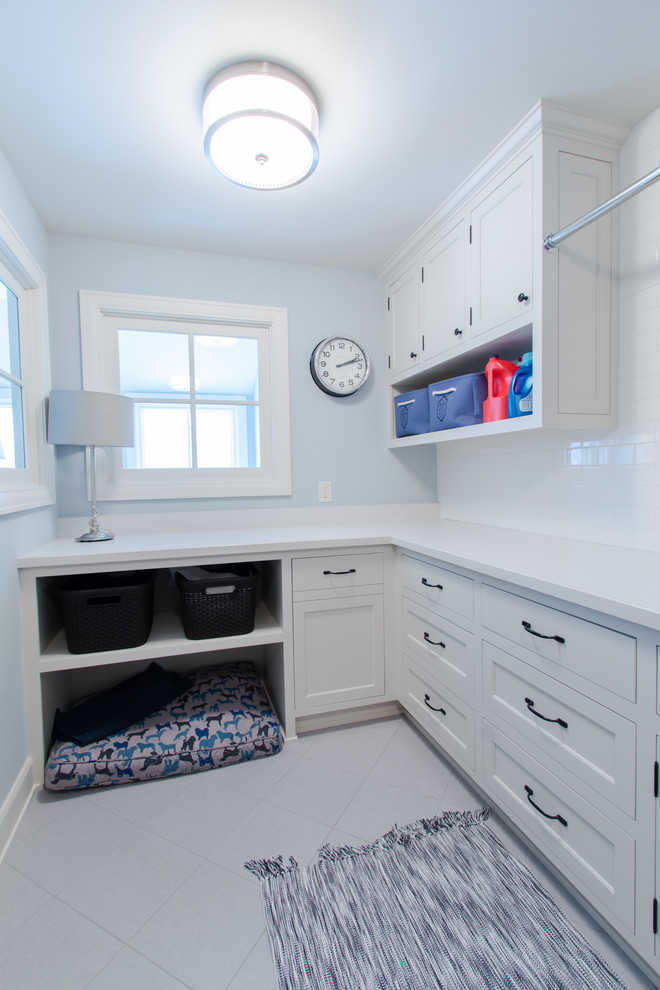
(142, 886)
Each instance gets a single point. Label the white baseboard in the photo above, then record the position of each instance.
(349, 716)
(14, 805)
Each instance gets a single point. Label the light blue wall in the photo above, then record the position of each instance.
(337, 440)
(19, 531)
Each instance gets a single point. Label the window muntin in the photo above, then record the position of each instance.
(211, 377)
(201, 388)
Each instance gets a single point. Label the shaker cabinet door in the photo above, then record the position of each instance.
(502, 254)
(338, 651)
(443, 309)
(403, 321)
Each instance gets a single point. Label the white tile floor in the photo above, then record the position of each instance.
(142, 887)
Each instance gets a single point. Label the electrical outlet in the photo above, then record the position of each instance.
(325, 491)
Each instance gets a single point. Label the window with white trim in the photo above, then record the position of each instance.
(209, 383)
(26, 463)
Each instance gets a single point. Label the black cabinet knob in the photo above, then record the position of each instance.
(412, 354)
(457, 332)
(522, 297)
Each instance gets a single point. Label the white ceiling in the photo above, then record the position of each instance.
(100, 109)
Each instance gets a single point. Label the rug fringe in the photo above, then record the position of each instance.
(402, 835)
(265, 868)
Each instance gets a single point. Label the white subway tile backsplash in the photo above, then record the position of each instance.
(601, 486)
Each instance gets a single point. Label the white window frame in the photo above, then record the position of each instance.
(32, 486)
(99, 312)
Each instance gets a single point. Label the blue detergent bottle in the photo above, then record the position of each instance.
(519, 402)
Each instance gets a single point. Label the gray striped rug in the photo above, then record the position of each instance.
(437, 904)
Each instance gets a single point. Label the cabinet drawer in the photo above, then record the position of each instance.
(446, 650)
(337, 572)
(566, 645)
(594, 853)
(445, 717)
(595, 744)
(438, 586)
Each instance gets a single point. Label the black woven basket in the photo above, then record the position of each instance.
(221, 603)
(107, 611)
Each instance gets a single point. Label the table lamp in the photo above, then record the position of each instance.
(90, 419)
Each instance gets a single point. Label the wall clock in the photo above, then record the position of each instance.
(339, 365)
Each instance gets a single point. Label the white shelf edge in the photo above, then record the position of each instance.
(497, 428)
(165, 640)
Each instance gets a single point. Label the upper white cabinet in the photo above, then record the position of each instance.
(476, 280)
(502, 253)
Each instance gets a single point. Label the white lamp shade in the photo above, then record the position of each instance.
(90, 419)
(261, 125)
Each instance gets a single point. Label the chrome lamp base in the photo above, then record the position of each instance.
(94, 535)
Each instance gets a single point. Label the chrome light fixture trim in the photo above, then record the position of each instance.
(261, 125)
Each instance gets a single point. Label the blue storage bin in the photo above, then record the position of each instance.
(411, 413)
(457, 402)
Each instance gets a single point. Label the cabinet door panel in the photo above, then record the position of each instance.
(502, 253)
(338, 651)
(584, 320)
(443, 294)
(403, 321)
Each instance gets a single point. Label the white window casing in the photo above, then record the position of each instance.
(102, 313)
(31, 486)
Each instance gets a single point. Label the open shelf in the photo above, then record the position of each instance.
(166, 639)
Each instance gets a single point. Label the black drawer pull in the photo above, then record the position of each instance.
(427, 702)
(559, 721)
(351, 571)
(428, 584)
(528, 628)
(562, 821)
(433, 642)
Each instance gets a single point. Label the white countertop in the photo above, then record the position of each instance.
(618, 581)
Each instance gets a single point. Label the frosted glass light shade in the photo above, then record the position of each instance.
(90, 419)
(261, 125)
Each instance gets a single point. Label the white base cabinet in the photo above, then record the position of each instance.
(338, 631)
(549, 709)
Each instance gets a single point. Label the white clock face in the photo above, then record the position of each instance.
(339, 366)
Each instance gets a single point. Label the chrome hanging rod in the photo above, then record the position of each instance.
(553, 240)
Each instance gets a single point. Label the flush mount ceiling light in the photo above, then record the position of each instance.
(261, 125)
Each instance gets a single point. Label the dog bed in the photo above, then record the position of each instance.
(223, 717)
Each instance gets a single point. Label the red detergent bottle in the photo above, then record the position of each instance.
(498, 378)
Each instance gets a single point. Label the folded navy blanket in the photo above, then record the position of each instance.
(120, 706)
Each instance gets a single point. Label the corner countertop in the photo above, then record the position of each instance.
(617, 581)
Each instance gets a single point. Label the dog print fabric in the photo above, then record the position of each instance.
(224, 717)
